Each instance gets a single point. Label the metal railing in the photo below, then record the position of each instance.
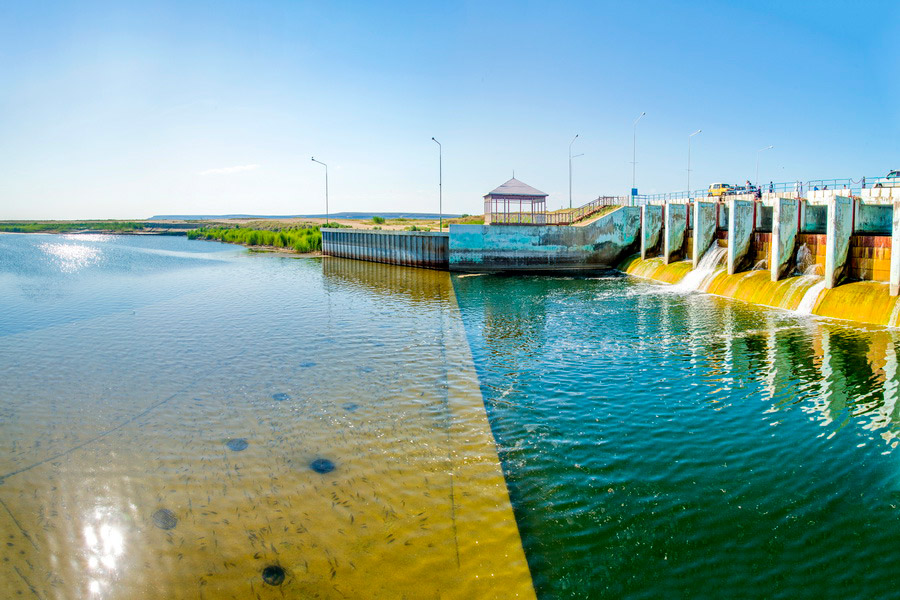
(563, 217)
(795, 189)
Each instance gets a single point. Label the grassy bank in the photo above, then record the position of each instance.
(70, 226)
(303, 238)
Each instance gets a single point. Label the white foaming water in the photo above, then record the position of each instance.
(804, 258)
(708, 264)
(789, 294)
(809, 299)
(892, 321)
(806, 262)
(812, 269)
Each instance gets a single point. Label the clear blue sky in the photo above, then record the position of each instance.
(114, 111)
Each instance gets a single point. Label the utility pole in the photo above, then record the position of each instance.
(689, 161)
(327, 218)
(440, 185)
(634, 150)
(570, 169)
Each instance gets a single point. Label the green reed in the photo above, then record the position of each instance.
(303, 238)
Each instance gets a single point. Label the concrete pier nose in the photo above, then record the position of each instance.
(740, 232)
(839, 229)
(651, 229)
(704, 229)
(785, 226)
(676, 225)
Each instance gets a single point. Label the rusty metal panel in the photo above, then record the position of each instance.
(418, 249)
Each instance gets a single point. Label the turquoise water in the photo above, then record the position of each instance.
(672, 445)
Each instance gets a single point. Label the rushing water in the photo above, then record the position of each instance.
(670, 445)
(711, 260)
(187, 419)
(184, 419)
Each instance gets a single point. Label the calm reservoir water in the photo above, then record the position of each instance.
(665, 445)
(184, 419)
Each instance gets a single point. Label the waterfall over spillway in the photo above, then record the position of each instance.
(808, 303)
(712, 260)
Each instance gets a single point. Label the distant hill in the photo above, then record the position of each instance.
(340, 215)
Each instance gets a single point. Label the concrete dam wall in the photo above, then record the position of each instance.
(840, 259)
(601, 244)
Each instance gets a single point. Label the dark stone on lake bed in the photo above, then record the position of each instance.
(237, 444)
(165, 519)
(281, 397)
(322, 465)
(273, 575)
(307, 363)
(350, 406)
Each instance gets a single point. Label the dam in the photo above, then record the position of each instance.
(833, 253)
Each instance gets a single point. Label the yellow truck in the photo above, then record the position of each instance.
(720, 189)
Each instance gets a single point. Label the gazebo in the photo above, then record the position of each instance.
(515, 202)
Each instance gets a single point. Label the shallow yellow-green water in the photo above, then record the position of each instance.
(123, 381)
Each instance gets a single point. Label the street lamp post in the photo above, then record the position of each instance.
(634, 150)
(570, 169)
(758, 152)
(689, 160)
(440, 185)
(327, 218)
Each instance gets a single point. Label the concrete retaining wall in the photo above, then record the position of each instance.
(815, 244)
(601, 244)
(723, 217)
(410, 248)
(764, 217)
(869, 258)
(895, 251)
(760, 250)
(813, 218)
(823, 197)
(873, 218)
(886, 195)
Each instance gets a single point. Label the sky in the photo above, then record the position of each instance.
(128, 110)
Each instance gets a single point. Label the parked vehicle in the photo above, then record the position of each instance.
(741, 190)
(720, 189)
(891, 180)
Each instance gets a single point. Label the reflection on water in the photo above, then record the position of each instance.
(183, 419)
(71, 257)
(667, 445)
